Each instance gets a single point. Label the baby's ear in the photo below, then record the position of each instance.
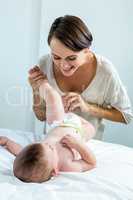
(55, 172)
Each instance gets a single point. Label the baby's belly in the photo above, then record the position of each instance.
(62, 131)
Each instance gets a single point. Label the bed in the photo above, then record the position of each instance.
(112, 179)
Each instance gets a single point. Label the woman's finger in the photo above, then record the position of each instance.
(39, 77)
(71, 100)
(33, 69)
(69, 95)
(74, 106)
(35, 74)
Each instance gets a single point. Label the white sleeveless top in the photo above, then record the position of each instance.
(106, 90)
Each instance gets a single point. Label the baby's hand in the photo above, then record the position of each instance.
(70, 141)
(3, 140)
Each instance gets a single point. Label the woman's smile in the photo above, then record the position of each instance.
(68, 71)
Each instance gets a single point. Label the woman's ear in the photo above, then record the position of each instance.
(85, 50)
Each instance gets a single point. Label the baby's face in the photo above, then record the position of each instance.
(49, 149)
(51, 153)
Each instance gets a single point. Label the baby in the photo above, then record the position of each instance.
(63, 149)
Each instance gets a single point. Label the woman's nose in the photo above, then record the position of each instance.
(64, 64)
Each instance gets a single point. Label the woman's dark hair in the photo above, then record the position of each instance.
(72, 32)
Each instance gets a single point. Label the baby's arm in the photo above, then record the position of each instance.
(88, 128)
(87, 161)
(10, 145)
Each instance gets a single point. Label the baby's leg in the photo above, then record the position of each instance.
(89, 130)
(54, 105)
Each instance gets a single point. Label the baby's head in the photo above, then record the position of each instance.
(35, 163)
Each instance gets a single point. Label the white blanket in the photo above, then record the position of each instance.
(112, 179)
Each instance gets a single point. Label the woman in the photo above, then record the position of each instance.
(88, 83)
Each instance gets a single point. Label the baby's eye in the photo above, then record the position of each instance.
(51, 147)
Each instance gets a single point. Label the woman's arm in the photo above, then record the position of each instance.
(39, 106)
(106, 113)
(74, 101)
(36, 76)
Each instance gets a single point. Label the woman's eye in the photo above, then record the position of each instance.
(71, 59)
(56, 58)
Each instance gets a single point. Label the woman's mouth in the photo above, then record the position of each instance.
(69, 69)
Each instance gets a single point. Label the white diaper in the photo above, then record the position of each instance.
(70, 120)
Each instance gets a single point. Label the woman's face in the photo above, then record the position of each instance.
(66, 60)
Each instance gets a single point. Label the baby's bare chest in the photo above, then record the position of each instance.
(66, 154)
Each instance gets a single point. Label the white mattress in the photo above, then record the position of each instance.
(112, 179)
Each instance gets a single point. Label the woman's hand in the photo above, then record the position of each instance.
(36, 77)
(72, 101)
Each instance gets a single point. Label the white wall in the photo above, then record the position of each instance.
(111, 23)
(19, 45)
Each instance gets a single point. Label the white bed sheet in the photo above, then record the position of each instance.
(112, 179)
